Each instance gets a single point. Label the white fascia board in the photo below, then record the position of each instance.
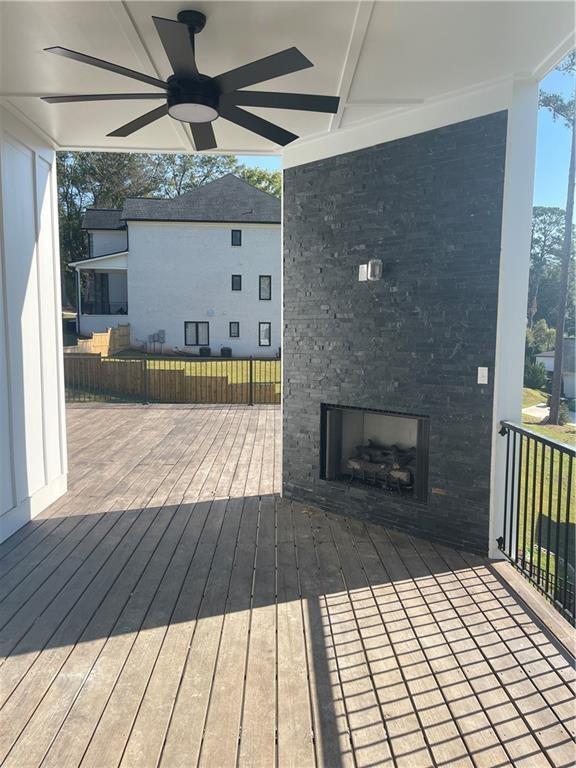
(85, 263)
(454, 108)
(205, 224)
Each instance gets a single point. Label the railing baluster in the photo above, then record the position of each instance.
(558, 524)
(532, 517)
(526, 485)
(566, 600)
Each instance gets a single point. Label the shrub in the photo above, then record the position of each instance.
(563, 413)
(534, 375)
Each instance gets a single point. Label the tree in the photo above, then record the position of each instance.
(539, 338)
(545, 250)
(563, 109)
(182, 173)
(268, 181)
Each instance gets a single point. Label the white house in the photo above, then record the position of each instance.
(200, 270)
(547, 360)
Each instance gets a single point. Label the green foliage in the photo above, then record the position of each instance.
(539, 338)
(268, 181)
(106, 179)
(534, 375)
(563, 414)
(545, 269)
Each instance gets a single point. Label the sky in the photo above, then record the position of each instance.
(552, 153)
(553, 148)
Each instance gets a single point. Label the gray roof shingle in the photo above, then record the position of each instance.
(103, 218)
(227, 199)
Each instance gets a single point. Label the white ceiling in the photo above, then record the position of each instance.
(365, 52)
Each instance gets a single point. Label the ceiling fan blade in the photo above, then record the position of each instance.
(257, 125)
(101, 97)
(179, 46)
(94, 62)
(304, 101)
(282, 63)
(203, 135)
(140, 122)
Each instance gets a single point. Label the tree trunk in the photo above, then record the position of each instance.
(563, 297)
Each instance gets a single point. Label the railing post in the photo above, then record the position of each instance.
(251, 381)
(145, 380)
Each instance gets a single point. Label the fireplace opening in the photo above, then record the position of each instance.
(381, 449)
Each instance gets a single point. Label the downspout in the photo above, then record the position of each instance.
(78, 301)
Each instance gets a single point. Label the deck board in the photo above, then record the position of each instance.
(170, 610)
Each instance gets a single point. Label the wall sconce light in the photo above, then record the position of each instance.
(374, 269)
(371, 271)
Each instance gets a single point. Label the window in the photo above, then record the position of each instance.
(264, 334)
(236, 237)
(196, 334)
(265, 288)
(236, 282)
(234, 330)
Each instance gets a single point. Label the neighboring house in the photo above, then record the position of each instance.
(204, 268)
(547, 360)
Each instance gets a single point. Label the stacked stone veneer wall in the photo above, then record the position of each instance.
(430, 207)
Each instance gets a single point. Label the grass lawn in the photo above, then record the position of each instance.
(563, 434)
(237, 371)
(532, 397)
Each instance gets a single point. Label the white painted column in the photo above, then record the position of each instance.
(32, 427)
(513, 286)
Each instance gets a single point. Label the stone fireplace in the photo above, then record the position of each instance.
(383, 450)
(406, 348)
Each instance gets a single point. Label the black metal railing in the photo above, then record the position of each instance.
(104, 307)
(155, 379)
(539, 524)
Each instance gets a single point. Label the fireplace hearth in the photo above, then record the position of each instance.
(385, 450)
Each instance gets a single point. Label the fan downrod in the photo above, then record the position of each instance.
(194, 20)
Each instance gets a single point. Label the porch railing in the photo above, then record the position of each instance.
(539, 524)
(104, 307)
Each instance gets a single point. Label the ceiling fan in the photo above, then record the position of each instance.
(197, 99)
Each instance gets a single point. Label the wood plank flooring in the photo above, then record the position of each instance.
(171, 610)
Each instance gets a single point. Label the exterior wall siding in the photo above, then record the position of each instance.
(430, 207)
(182, 272)
(32, 429)
(108, 241)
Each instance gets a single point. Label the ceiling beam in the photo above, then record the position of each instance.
(357, 37)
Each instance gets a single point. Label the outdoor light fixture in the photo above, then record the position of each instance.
(371, 271)
(374, 269)
(193, 113)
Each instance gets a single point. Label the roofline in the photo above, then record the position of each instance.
(208, 221)
(97, 258)
(104, 229)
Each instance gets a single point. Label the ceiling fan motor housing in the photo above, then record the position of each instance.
(194, 101)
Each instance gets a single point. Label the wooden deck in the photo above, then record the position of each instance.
(171, 610)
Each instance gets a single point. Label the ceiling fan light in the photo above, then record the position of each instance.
(193, 113)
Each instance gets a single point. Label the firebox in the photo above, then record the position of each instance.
(382, 449)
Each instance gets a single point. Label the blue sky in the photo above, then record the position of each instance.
(552, 154)
(553, 148)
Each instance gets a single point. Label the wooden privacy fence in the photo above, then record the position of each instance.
(108, 342)
(173, 380)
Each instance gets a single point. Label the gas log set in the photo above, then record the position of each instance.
(389, 466)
